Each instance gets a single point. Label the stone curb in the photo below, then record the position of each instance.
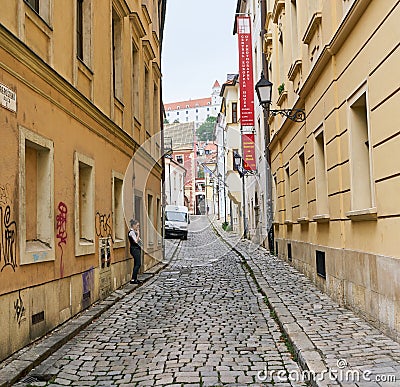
(40, 350)
(307, 354)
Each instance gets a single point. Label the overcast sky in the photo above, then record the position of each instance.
(199, 47)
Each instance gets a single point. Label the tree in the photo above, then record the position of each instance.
(206, 130)
(166, 121)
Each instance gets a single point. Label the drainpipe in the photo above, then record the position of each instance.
(268, 177)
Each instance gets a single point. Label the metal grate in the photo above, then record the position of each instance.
(320, 258)
(38, 317)
(289, 252)
(29, 380)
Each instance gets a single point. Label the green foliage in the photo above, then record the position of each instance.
(226, 226)
(281, 88)
(200, 173)
(166, 121)
(206, 130)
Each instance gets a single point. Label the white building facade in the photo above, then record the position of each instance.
(174, 182)
(195, 110)
(256, 184)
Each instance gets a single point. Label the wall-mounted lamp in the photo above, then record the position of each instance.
(264, 92)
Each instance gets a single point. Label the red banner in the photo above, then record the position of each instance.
(243, 25)
(249, 152)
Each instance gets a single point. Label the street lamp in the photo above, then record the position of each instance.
(264, 92)
(238, 165)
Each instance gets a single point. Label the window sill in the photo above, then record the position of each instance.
(36, 252)
(303, 220)
(118, 243)
(312, 27)
(361, 215)
(322, 218)
(295, 69)
(36, 246)
(282, 98)
(288, 222)
(84, 247)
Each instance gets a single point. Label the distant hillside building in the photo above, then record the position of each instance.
(195, 110)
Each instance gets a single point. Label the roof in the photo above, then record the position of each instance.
(192, 103)
(232, 79)
(182, 134)
(216, 84)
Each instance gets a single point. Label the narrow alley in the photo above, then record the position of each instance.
(201, 321)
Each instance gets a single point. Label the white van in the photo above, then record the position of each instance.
(176, 221)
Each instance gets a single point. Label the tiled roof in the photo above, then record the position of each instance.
(182, 134)
(216, 84)
(192, 103)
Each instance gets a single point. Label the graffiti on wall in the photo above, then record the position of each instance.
(19, 309)
(8, 231)
(103, 225)
(61, 220)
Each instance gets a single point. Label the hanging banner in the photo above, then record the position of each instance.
(245, 72)
(249, 152)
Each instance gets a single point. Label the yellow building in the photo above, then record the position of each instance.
(80, 92)
(336, 175)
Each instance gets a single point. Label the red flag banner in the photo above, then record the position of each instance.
(245, 71)
(249, 152)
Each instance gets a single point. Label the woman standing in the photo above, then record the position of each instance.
(135, 249)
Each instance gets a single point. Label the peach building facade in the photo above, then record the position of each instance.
(336, 175)
(80, 89)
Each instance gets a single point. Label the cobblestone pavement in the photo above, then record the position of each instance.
(200, 322)
(324, 334)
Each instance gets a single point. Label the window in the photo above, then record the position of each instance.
(136, 82)
(84, 205)
(288, 195)
(179, 159)
(147, 99)
(158, 221)
(295, 35)
(187, 111)
(79, 29)
(41, 7)
(150, 227)
(275, 198)
(117, 54)
(36, 209)
(360, 154)
(234, 112)
(302, 187)
(321, 182)
(118, 210)
(34, 4)
(156, 110)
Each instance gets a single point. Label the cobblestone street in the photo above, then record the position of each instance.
(201, 321)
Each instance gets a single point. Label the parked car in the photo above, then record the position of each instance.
(176, 221)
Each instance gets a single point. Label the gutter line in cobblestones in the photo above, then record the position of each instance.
(296, 340)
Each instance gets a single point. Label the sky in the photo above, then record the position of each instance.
(198, 48)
